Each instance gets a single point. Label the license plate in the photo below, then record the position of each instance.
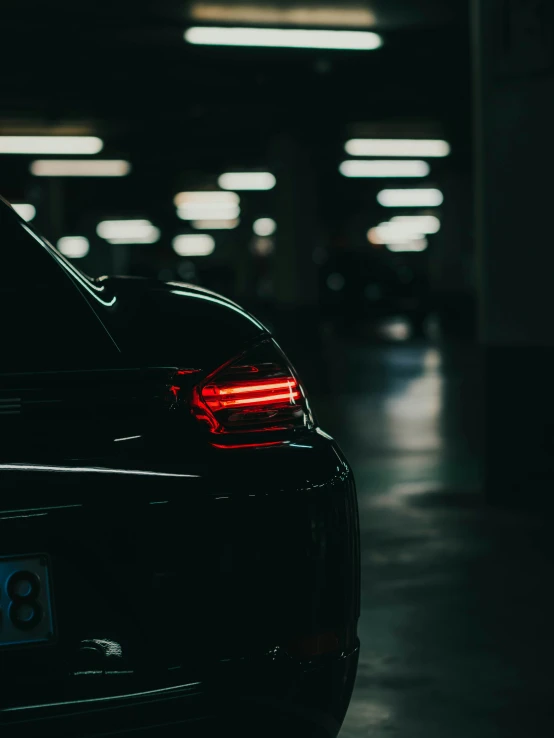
(25, 601)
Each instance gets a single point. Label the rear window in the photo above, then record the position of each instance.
(45, 321)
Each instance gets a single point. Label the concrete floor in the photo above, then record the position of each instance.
(457, 617)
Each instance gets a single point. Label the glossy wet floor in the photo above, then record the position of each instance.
(457, 619)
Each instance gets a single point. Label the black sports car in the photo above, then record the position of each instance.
(179, 543)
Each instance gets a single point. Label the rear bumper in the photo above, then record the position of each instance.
(207, 584)
(262, 699)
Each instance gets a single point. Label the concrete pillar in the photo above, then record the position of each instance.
(53, 215)
(451, 260)
(294, 274)
(295, 315)
(514, 125)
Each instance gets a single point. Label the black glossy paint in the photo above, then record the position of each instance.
(186, 577)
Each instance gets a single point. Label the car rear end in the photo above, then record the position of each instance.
(178, 538)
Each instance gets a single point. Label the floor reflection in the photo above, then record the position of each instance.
(455, 626)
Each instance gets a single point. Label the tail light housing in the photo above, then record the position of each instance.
(256, 392)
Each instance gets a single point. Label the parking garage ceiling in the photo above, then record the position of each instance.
(122, 70)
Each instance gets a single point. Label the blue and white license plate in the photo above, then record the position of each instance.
(25, 601)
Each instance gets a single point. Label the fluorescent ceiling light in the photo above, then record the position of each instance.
(264, 227)
(377, 168)
(72, 145)
(247, 181)
(121, 228)
(128, 231)
(213, 225)
(198, 211)
(294, 38)
(152, 237)
(80, 168)
(266, 14)
(418, 223)
(25, 210)
(396, 147)
(216, 197)
(410, 198)
(415, 245)
(74, 247)
(193, 244)
(387, 233)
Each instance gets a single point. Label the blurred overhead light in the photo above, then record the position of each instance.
(147, 238)
(247, 181)
(74, 247)
(121, 228)
(262, 246)
(213, 225)
(25, 210)
(71, 145)
(386, 233)
(410, 198)
(264, 227)
(193, 244)
(395, 329)
(187, 270)
(294, 38)
(336, 282)
(80, 168)
(419, 244)
(213, 211)
(216, 197)
(396, 147)
(128, 231)
(377, 168)
(265, 14)
(418, 223)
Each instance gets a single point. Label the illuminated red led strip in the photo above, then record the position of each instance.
(265, 400)
(260, 387)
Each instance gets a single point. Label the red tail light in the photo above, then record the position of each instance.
(257, 392)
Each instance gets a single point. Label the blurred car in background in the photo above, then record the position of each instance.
(179, 539)
(359, 288)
